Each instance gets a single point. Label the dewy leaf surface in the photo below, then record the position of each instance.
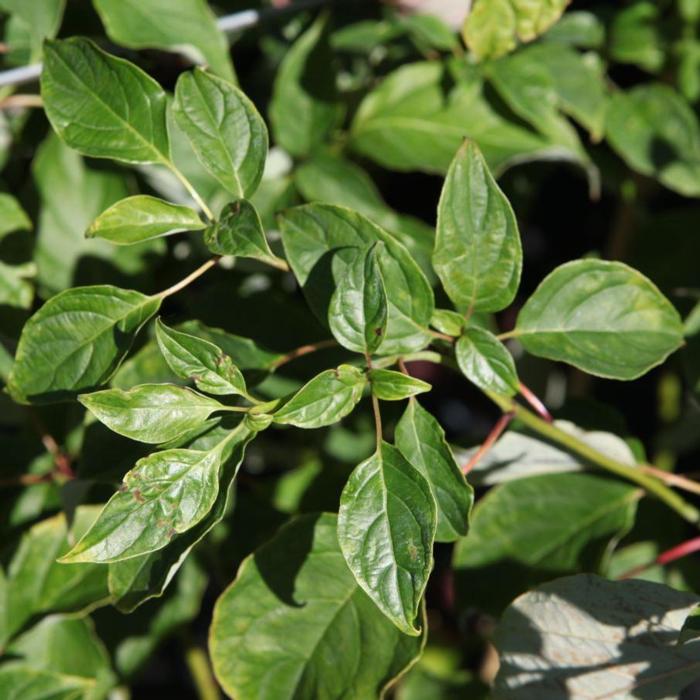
(478, 255)
(76, 341)
(629, 628)
(103, 106)
(227, 134)
(486, 362)
(421, 440)
(602, 317)
(141, 218)
(386, 529)
(152, 413)
(288, 626)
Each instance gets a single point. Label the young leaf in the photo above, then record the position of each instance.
(283, 627)
(448, 321)
(389, 385)
(164, 495)
(486, 362)
(324, 400)
(103, 106)
(240, 232)
(386, 528)
(190, 29)
(477, 256)
(622, 623)
(152, 413)
(321, 241)
(141, 218)
(76, 341)
(602, 317)
(421, 440)
(227, 134)
(194, 358)
(357, 314)
(304, 106)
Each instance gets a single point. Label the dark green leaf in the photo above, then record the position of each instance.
(103, 106)
(389, 385)
(602, 317)
(324, 400)
(76, 341)
(141, 218)
(386, 528)
(357, 314)
(421, 440)
(225, 130)
(152, 413)
(486, 362)
(288, 625)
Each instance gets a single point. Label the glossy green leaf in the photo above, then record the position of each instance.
(191, 357)
(288, 625)
(389, 385)
(386, 528)
(103, 106)
(304, 106)
(656, 132)
(152, 413)
(239, 232)
(189, 29)
(602, 317)
(477, 255)
(324, 400)
(164, 495)
(227, 134)
(448, 321)
(486, 362)
(421, 440)
(141, 218)
(493, 27)
(321, 241)
(76, 341)
(357, 314)
(12, 216)
(629, 627)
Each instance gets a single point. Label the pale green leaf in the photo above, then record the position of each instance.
(12, 216)
(602, 317)
(141, 218)
(16, 288)
(486, 362)
(37, 19)
(18, 680)
(386, 528)
(76, 341)
(289, 623)
(389, 385)
(227, 134)
(421, 440)
(448, 322)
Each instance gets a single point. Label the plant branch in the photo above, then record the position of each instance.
(375, 408)
(303, 350)
(14, 101)
(190, 278)
(535, 402)
(201, 674)
(670, 555)
(678, 480)
(62, 462)
(489, 442)
(441, 336)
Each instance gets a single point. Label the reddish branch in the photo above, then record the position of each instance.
(491, 438)
(670, 555)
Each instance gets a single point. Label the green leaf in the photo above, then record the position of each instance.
(12, 216)
(15, 288)
(152, 413)
(389, 385)
(448, 321)
(656, 132)
(304, 106)
(190, 29)
(357, 314)
(195, 358)
(239, 232)
(578, 28)
(287, 626)
(324, 400)
(20, 681)
(622, 623)
(141, 218)
(485, 361)
(602, 317)
(103, 106)
(386, 528)
(321, 241)
(227, 134)
(37, 19)
(477, 256)
(421, 440)
(636, 36)
(493, 27)
(76, 341)
(164, 495)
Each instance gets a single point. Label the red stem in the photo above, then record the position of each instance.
(535, 402)
(488, 443)
(678, 552)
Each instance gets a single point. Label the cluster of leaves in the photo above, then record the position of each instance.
(156, 439)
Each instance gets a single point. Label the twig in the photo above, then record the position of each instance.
(14, 101)
(26, 480)
(190, 278)
(678, 480)
(303, 350)
(488, 443)
(375, 409)
(535, 402)
(441, 336)
(670, 555)
(190, 188)
(62, 461)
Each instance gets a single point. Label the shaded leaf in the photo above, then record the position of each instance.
(486, 362)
